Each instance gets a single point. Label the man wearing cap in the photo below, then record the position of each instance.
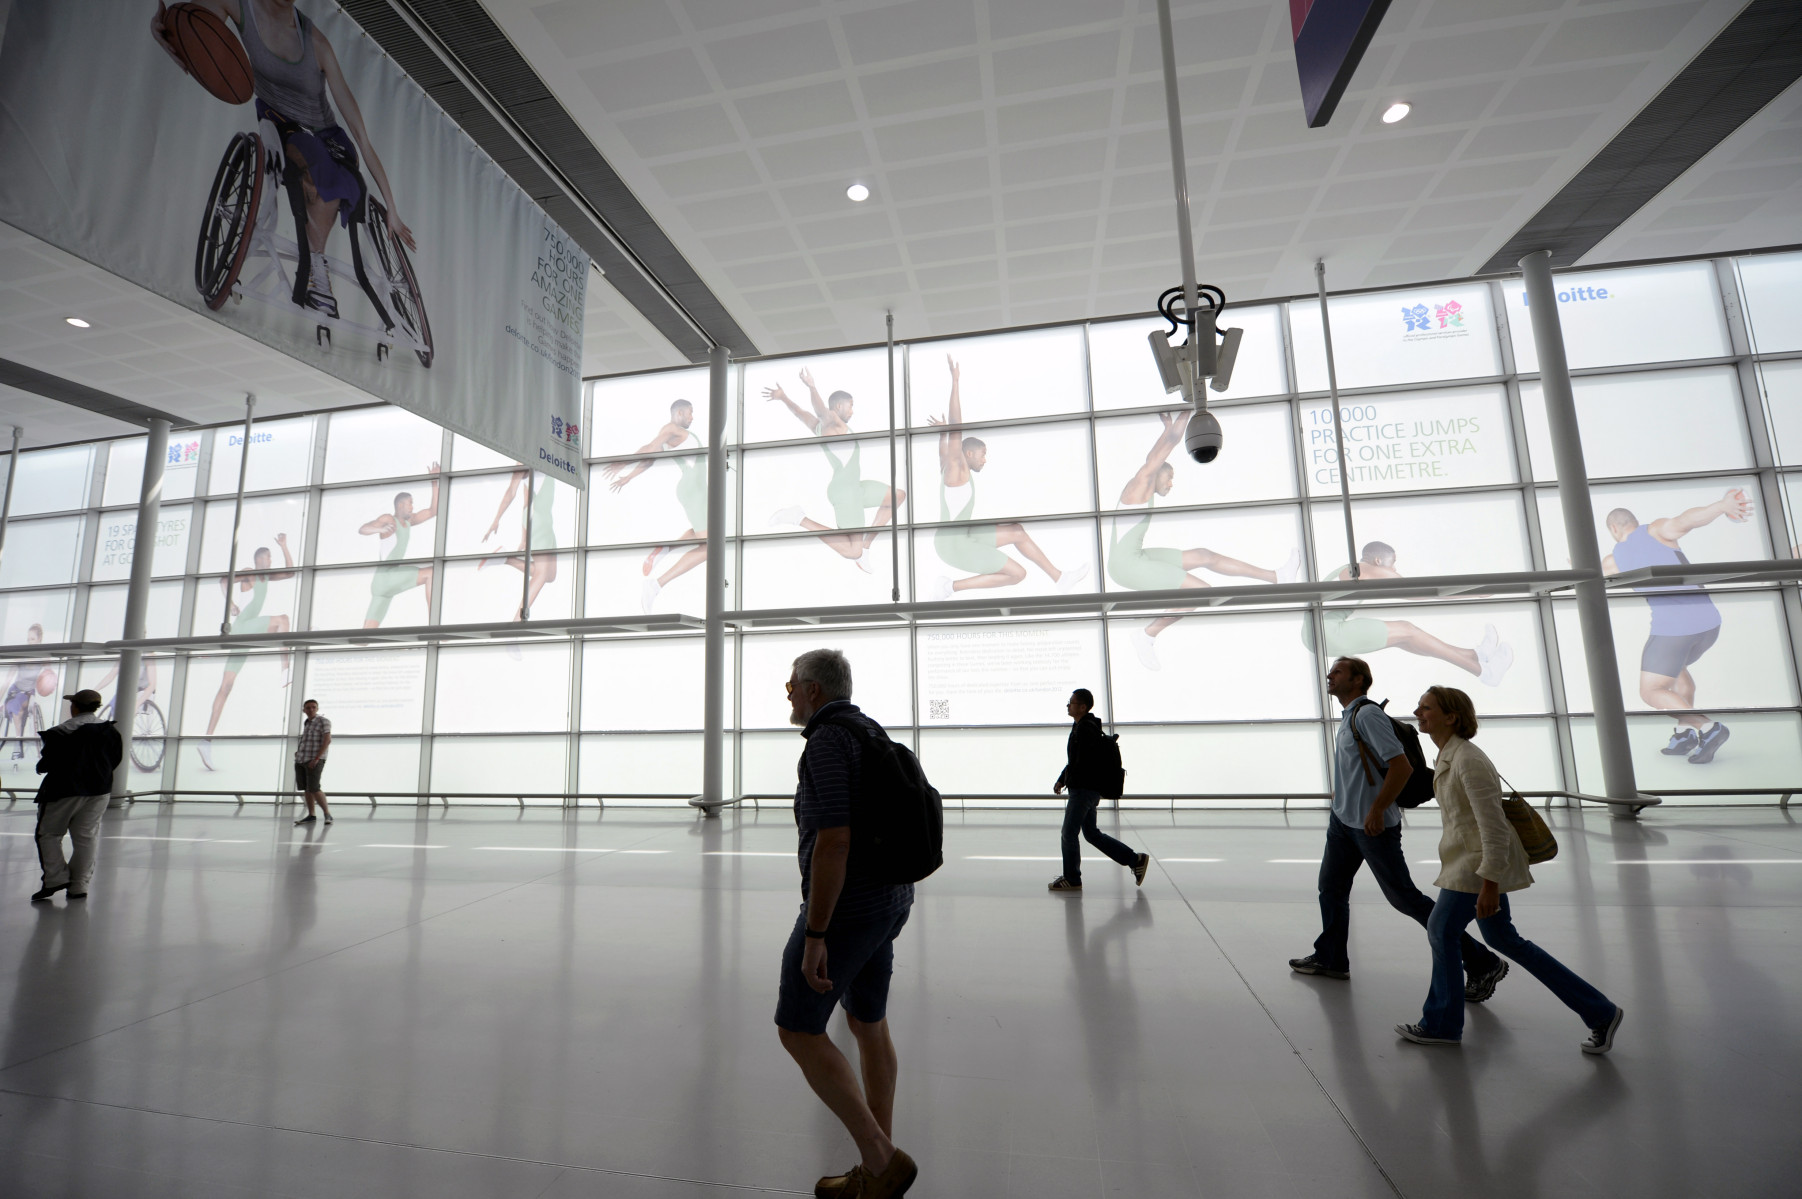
(77, 763)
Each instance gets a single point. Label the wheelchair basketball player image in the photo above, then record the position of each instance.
(301, 95)
(20, 708)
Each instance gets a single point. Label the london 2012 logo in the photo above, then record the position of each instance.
(1423, 322)
(568, 432)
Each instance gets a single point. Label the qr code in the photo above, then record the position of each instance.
(941, 709)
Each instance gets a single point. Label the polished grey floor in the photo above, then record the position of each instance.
(487, 1003)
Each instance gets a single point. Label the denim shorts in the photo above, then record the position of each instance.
(306, 776)
(859, 959)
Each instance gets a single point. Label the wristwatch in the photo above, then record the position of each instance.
(817, 936)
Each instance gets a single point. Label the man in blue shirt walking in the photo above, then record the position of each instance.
(1365, 826)
(842, 948)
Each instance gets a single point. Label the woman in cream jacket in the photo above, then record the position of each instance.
(1481, 861)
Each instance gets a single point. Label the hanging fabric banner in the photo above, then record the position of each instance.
(265, 163)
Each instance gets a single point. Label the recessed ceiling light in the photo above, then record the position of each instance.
(857, 193)
(76, 321)
(1396, 112)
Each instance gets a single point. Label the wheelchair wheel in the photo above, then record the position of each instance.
(231, 209)
(147, 732)
(403, 298)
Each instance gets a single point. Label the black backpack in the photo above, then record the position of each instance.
(897, 817)
(1419, 787)
(1109, 769)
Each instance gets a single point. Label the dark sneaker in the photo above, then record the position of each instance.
(1479, 987)
(1708, 743)
(894, 1180)
(78, 895)
(1062, 884)
(1420, 1036)
(1681, 744)
(1601, 1040)
(841, 1186)
(1312, 965)
(319, 288)
(47, 892)
(1139, 869)
(305, 820)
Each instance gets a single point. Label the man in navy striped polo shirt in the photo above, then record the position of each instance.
(842, 949)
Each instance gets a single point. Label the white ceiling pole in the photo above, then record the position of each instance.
(1185, 235)
(1332, 387)
(12, 473)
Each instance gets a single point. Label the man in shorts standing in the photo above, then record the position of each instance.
(1685, 622)
(309, 760)
(842, 949)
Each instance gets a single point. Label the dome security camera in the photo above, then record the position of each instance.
(1204, 438)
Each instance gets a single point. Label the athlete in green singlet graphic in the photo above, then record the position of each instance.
(1351, 636)
(1134, 566)
(395, 577)
(849, 493)
(250, 619)
(544, 535)
(976, 549)
(691, 493)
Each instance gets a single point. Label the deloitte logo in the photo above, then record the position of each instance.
(1575, 295)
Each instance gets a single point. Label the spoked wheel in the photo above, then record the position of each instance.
(231, 209)
(147, 731)
(400, 285)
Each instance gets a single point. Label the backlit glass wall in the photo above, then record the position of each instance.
(1033, 463)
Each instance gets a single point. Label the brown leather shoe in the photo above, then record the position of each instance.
(894, 1180)
(849, 1185)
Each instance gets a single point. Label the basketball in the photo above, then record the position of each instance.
(47, 681)
(211, 51)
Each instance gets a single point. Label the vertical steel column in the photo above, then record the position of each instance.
(525, 586)
(713, 760)
(12, 473)
(231, 566)
(894, 506)
(1179, 173)
(1332, 386)
(1579, 530)
(137, 599)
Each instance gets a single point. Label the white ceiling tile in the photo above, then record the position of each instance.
(1703, 213)
(1138, 253)
(582, 27)
(1588, 86)
(727, 248)
(1400, 153)
(1045, 163)
(1220, 34)
(1287, 127)
(961, 274)
(1464, 12)
(644, 80)
(1220, 242)
(1042, 235)
(793, 295)
(833, 153)
(686, 129)
(1144, 222)
(1046, 65)
(805, 319)
(826, 197)
(907, 28)
(860, 261)
(792, 51)
(797, 109)
(1466, 55)
(1639, 30)
(945, 216)
(864, 287)
(919, 88)
(1015, 18)
(1293, 167)
(932, 137)
(731, 171)
(769, 273)
(1244, 207)
(1056, 200)
(1050, 262)
(1490, 177)
(951, 246)
(1141, 187)
(852, 228)
(1373, 193)
(959, 300)
(939, 179)
(1280, 83)
(1474, 210)
(1055, 116)
(1215, 93)
(1745, 181)
(730, 212)
(1527, 137)
(718, 14)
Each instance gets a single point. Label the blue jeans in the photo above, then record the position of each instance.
(1347, 848)
(1079, 816)
(1443, 1015)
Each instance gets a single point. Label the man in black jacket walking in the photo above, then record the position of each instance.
(77, 763)
(1089, 763)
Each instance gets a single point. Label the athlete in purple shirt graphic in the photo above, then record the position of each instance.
(1685, 622)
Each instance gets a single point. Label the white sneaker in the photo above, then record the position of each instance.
(793, 515)
(648, 594)
(863, 562)
(205, 749)
(1290, 570)
(941, 589)
(1146, 646)
(1491, 639)
(1070, 579)
(1495, 664)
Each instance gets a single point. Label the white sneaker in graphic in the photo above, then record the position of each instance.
(863, 562)
(941, 589)
(205, 750)
(793, 515)
(1146, 646)
(1290, 570)
(1070, 579)
(648, 595)
(1491, 639)
(1495, 663)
